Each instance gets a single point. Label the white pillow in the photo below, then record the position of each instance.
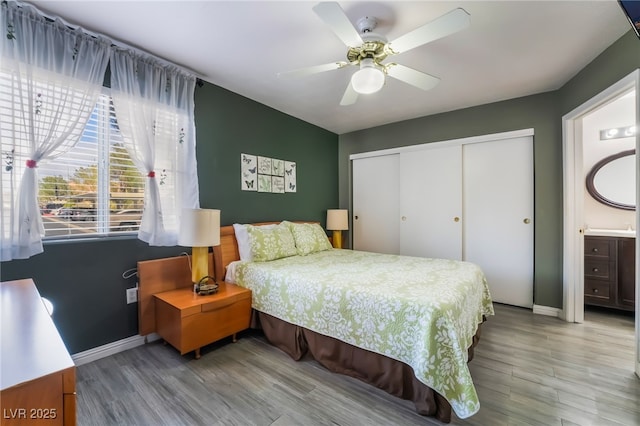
(242, 237)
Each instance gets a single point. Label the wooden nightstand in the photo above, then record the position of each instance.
(188, 321)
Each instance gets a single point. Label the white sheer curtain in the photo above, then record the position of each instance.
(154, 107)
(50, 77)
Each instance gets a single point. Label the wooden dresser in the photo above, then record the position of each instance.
(37, 374)
(609, 272)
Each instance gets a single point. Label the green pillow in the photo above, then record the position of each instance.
(309, 238)
(270, 244)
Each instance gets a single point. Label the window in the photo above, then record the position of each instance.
(93, 189)
(65, 172)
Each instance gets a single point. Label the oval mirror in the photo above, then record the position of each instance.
(612, 181)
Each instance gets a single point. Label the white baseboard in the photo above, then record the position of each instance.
(103, 351)
(546, 310)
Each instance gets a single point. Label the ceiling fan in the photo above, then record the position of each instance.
(367, 50)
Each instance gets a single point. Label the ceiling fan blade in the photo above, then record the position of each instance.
(350, 96)
(333, 15)
(410, 76)
(447, 24)
(301, 72)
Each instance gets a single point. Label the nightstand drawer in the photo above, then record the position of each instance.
(225, 303)
(596, 289)
(193, 310)
(211, 325)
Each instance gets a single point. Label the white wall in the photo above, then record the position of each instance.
(618, 113)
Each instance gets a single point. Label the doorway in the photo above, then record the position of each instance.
(574, 196)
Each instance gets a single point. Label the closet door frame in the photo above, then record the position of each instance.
(440, 144)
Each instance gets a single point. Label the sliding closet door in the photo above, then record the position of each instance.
(431, 203)
(498, 216)
(375, 204)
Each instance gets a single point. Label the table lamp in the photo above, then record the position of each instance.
(337, 221)
(200, 229)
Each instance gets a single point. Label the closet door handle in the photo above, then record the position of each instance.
(456, 219)
(527, 220)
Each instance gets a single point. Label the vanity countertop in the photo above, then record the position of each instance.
(629, 233)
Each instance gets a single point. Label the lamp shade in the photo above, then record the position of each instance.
(337, 220)
(199, 228)
(368, 79)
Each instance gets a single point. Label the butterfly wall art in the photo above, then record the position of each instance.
(249, 169)
(289, 176)
(265, 174)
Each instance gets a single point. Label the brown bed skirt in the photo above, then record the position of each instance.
(390, 375)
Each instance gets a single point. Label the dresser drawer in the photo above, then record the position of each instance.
(594, 246)
(596, 289)
(597, 268)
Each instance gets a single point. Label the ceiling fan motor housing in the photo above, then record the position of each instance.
(373, 49)
(367, 24)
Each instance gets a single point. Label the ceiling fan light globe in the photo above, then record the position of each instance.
(367, 80)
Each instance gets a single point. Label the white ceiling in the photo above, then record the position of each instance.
(511, 49)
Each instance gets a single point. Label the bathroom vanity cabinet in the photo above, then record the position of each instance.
(609, 272)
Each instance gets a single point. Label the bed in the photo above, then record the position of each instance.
(367, 315)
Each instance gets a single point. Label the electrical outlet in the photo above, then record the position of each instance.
(132, 295)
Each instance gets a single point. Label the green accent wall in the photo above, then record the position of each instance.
(543, 113)
(83, 279)
(229, 125)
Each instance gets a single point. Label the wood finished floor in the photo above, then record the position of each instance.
(528, 370)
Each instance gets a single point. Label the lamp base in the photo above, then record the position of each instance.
(337, 239)
(199, 264)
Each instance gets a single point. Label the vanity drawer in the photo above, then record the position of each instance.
(597, 268)
(596, 289)
(594, 246)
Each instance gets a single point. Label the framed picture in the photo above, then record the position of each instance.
(249, 172)
(277, 184)
(264, 183)
(265, 174)
(278, 167)
(265, 166)
(290, 184)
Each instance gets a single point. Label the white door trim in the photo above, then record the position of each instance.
(573, 241)
(637, 324)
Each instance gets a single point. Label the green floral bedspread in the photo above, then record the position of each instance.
(423, 312)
